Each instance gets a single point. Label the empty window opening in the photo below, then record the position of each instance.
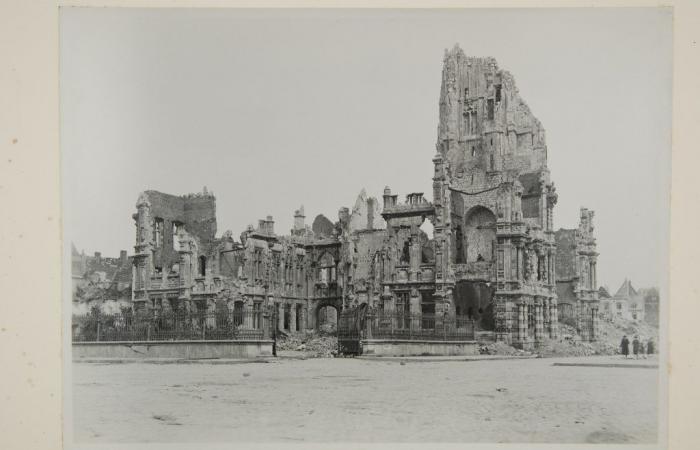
(473, 151)
(158, 232)
(238, 313)
(257, 315)
(287, 316)
(498, 92)
(202, 266)
(490, 109)
(459, 238)
(405, 253)
(176, 240)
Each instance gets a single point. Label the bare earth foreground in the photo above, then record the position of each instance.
(383, 399)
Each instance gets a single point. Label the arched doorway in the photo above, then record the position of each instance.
(326, 318)
(474, 300)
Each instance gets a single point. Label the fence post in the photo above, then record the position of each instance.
(98, 330)
(148, 331)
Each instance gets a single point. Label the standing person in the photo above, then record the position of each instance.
(625, 347)
(650, 346)
(635, 347)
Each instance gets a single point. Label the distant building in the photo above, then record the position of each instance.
(627, 303)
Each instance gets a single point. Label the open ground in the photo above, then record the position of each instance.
(379, 399)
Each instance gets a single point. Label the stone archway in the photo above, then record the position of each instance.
(325, 315)
(479, 234)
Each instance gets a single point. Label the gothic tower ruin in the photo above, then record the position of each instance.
(494, 204)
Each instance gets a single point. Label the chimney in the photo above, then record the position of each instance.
(98, 257)
(122, 257)
(299, 219)
(262, 226)
(270, 225)
(344, 216)
(387, 197)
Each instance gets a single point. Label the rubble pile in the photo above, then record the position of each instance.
(310, 344)
(500, 348)
(569, 343)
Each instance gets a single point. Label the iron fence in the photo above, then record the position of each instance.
(401, 325)
(171, 326)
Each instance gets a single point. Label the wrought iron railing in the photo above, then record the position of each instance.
(399, 325)
(246, 324)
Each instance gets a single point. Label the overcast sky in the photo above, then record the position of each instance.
(275, 109)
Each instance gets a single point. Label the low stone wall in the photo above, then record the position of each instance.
(381, 347)
(172, 349)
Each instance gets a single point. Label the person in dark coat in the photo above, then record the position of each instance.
(650, 347)
(635, 347)
(625, 346)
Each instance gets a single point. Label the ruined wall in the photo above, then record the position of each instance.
(485, 125)
(566, 254)
(365, 246)
(366, 214)
(196, 212)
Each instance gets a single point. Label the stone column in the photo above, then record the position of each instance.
(305, 316)
(503, 320)
(577, 314)
(293, 318)
(415, 321)
(553, 320)
(280, 316)
(539, 328)
(522, 323)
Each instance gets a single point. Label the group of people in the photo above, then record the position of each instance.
(639, 348)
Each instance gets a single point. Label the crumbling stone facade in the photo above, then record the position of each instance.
(492, 256)
(577, 285)
(100, 281)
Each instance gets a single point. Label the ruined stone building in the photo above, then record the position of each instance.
(576, 268)
(492, 257)
(97, 279)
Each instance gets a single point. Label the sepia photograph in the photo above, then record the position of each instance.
(288, 226)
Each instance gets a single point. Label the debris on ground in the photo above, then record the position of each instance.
(569, 343)
(501, 348)
(312, 344)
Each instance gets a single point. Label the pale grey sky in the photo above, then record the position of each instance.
(274, 109)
